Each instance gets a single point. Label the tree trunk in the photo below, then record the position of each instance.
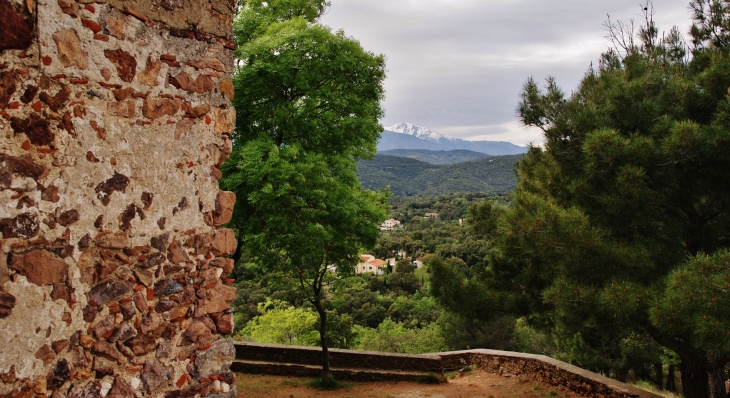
(695, 383)
(717, 383)
(658, 370)
(323, 341)
(671, 382)
(621, 374)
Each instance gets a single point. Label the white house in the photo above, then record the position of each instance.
(389, 224)
(369, 263)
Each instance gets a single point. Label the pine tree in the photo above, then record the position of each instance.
(620, 225)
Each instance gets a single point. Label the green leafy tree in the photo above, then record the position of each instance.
(619, 225)
(308, 103)
(392, 336)
(404, 265)
(340, 332)
(281, 323)
(298, 82)
(415, 311)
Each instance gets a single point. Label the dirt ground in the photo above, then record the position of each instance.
(473, 384)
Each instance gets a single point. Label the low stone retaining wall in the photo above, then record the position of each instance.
(338, 358)
(543, 369)
(537, 367)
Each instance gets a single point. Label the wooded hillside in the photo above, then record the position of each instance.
(410, 177)
(436, 157)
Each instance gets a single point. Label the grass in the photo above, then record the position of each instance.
(263, 384)
(253, 383)
(646, 386)
(293, 383)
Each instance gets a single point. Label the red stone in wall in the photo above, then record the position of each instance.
(110, 262)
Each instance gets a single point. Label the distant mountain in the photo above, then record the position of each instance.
(394, 137)
(410, 177)
(420, 132)
(436, 157)
(390, 140)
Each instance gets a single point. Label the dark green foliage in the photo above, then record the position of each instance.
(450, 207)
(606, 236)
(463, 333)
(404, 282)
(367, 307)
(397, 173)
(404, 265)
(443, 235)
(436, 157)
(696, 303)
(409, 177)
(339, 330)
(414, 311)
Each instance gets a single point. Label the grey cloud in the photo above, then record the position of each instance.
(456, 64)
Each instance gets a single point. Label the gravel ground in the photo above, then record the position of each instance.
(473, 384)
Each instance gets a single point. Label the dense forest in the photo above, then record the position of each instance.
(436, 157)
(410, 177)
(394, 312)
(402, 312)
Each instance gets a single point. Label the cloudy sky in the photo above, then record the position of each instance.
(457, 66)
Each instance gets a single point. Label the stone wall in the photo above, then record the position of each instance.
(364, 365)
(543, 369)
(114, 118)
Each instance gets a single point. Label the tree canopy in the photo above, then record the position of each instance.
(299, 83)
(307, 103)
(620, 225)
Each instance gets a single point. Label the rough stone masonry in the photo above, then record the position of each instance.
(114, 119)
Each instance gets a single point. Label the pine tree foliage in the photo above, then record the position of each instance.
(620, 225)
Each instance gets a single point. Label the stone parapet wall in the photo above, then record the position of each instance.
(338, 358)
(536, 367)
(114, 119)
(543, 369)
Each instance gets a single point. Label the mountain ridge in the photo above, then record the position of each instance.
(410, 136)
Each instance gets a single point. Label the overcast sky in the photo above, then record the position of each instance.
(457, 66)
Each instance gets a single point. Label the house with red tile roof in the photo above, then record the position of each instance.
(369, 263)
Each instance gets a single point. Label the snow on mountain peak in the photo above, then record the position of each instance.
(420, 132)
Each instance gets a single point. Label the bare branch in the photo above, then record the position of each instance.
(621, 36)
(648, 33)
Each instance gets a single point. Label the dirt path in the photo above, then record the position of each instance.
(474, 384)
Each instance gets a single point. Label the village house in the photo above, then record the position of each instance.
(369, 263)
(389, 225)
(431, 215)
